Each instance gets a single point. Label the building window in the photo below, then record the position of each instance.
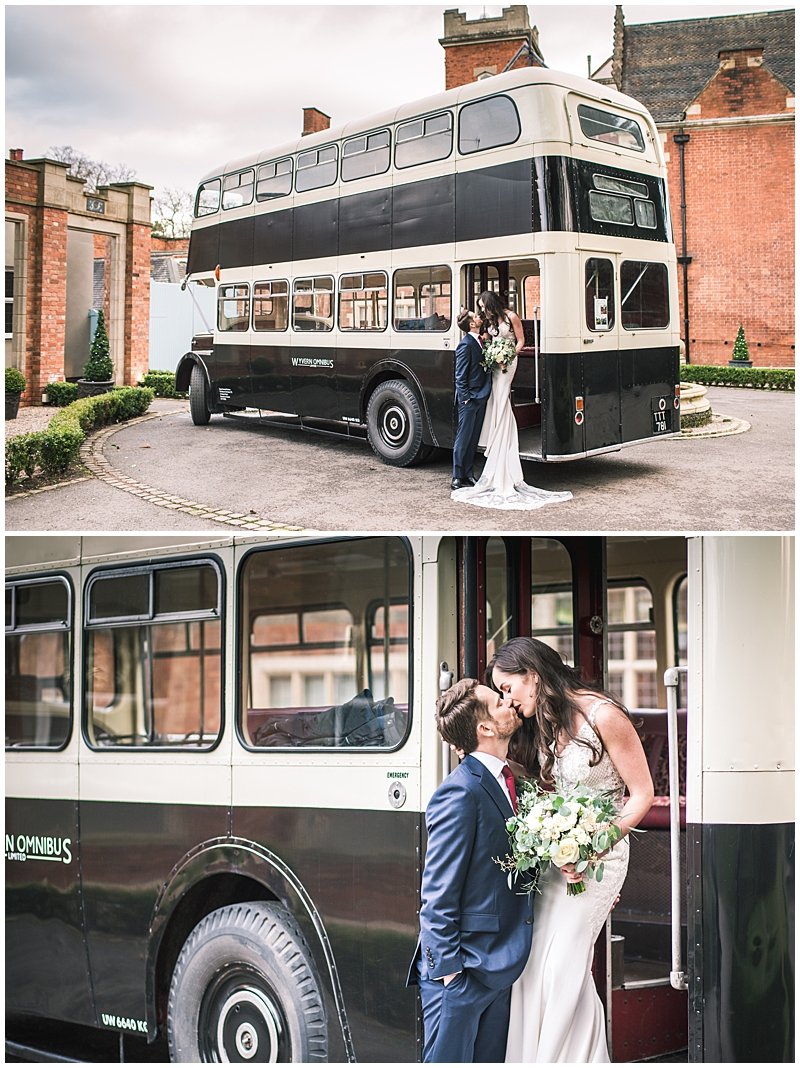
(366, 155)
(9, 301)
(424, 140)
(208, 198)
(363, 301)
(316, 168)
(599, 294)
(271, 305)
(237, 190)
(487, 124)
(644, 295)
(233, 307)
(613, 129)
(552, 619)
(632, 644)
(154, 657)
(422, 299)
(312, 304)
(325, 660)
(38, 678)
(274, 180)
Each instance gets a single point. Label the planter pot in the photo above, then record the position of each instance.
(740, 363)
(12, 405)
(93, 389)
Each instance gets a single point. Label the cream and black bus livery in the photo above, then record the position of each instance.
(219, 752)
(341, 260)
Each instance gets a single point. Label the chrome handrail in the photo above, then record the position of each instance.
(677, 976)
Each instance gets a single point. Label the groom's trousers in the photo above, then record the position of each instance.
(464, 1022)
(468, 431)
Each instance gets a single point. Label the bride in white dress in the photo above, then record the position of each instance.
(502, 484)
(576, 735)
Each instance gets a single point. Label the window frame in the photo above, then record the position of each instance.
(9, 326)
(313, 278)
(254, 298)
(274, 163)
(366, 136)
(496, 144)
(298, 170)
(48, 628)
(612, 305)
(342, 289)
(221, 299)
(634, 627)
(622, 298)
(393, 318)
(212, 211)
(153, 618)
(424, 119)
(640, 140)
(238, 174)
(241, 649)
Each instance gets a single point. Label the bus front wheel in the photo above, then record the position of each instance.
(245, 989)
(394, 424)
(198, 397)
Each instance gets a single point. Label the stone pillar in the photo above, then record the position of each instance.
(137, 281)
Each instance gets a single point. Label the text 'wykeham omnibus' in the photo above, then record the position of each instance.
(341, 261)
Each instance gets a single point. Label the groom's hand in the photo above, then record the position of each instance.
(449, 978)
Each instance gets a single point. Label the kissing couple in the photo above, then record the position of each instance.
(506, 975)
(485, 414)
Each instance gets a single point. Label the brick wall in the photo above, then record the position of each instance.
(464, 63)
(740, 214)
(137, 302)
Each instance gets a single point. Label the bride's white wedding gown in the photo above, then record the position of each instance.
(501, 484)
(556, 1014)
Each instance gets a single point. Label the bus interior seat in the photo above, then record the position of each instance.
(361, 721)
(653, 731)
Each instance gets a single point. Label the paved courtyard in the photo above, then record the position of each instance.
(163, 473)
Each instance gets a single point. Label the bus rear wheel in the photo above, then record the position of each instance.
(244, 988)
(198, 397)
(394, 424)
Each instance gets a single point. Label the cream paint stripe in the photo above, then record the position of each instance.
(752, 798)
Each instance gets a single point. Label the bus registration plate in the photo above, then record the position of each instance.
(662, 406)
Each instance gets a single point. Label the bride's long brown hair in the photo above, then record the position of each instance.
(534, 745)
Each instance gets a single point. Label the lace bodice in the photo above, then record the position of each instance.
(573, 767)
(504, 329)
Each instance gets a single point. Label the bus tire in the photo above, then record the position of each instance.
(394, 424)
(245, 988)
(198, 396)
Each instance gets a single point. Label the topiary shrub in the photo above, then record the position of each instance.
(60, 394)
(99, 367)
(15, 380)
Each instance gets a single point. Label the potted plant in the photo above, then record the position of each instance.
(15, 385)
(741, 353)
(98, 374)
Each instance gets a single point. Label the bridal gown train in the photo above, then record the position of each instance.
(556, 1014)
(501, 484)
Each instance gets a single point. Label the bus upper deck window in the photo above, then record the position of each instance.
(237, 190)
(208, 198)
(487, 124)
(274, 180)
(600, 125)
(366, 155)
(316, 168)
(424, 140)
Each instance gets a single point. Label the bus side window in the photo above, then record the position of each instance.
(208, 198)
(233, 304)
(237, 190)
(312, 304)
(325, 661)
(271, 305)
(363, 301)
(424, 140)
(422, 299)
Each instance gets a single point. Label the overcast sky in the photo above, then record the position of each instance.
(173, 90)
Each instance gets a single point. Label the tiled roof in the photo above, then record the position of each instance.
(666, 64)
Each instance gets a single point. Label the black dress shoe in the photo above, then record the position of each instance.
(468, 480)
(457, 483)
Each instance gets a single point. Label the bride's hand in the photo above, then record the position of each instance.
(569, 873)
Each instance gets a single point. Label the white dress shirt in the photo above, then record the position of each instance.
(495, 765)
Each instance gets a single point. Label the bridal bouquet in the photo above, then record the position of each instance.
(570, 827)
(500, 352)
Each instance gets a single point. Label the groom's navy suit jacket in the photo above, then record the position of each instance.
(472, 382)
(470, 919)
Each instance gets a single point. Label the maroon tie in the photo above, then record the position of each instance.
(508, 776)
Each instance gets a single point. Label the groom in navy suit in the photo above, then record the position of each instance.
(473, 386)
(475, 932)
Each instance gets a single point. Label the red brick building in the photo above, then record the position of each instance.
(721, 91)
(70, 251)
(479, 48)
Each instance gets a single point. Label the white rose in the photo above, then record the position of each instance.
(567, 853)
(581, 837)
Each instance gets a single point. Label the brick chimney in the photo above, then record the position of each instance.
(314, 121)
(15, 154)
(478, 48)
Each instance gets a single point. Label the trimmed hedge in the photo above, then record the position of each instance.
(54, 450)
(60, 394)
(162, 383)
(752, 377)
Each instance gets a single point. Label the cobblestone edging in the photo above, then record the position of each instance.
(92, 457)
(719, 427)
